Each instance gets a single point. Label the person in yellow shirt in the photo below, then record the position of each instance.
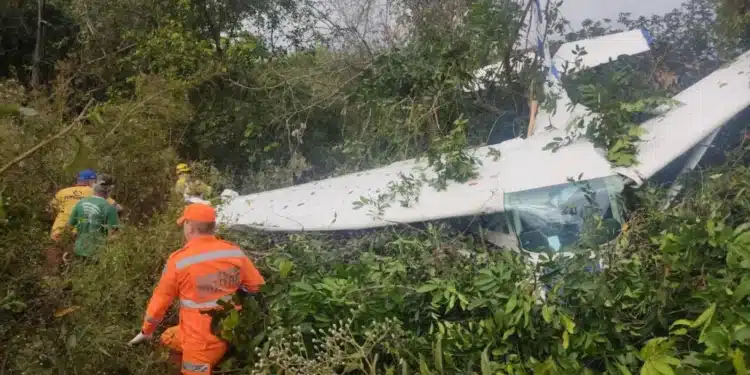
(188, 186)
(62, 205)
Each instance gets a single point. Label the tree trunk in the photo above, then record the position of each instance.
(35, 70)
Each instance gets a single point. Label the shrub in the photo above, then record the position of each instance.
(673, 299)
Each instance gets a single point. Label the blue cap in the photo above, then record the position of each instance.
(88, 174)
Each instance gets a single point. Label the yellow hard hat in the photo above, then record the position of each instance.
(183, 168)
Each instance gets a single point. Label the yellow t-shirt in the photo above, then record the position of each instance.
(63, 204)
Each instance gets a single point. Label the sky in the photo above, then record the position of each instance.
(347, 13)
(578, 10)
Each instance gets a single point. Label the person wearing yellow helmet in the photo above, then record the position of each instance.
(182, 168)
(187, 186)
(183, 177)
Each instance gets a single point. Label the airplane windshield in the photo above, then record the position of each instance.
(556, 218)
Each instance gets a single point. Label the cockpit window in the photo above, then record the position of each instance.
(555, 218)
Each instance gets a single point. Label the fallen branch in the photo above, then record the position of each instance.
(49, 140)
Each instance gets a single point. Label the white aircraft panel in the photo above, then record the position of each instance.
(704, 107)
(328, 204)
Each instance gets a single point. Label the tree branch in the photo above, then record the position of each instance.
(509, 48)
(37, 59)
(49, 140)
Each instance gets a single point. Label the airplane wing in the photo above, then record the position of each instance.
(329, 204)
(703, 108)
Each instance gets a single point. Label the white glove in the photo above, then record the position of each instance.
(139, 338)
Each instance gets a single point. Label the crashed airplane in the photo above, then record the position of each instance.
(522, 194)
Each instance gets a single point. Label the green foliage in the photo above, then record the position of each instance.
(689, 44)
(618, 97)
(447, 160)
(171, 51)
(187, 77)
(734, 21)
(91, 337)
(672, 299)
(129, 138)
(132, 142)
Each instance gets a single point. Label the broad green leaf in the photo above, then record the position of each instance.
(649, 369)
(304, 286)
(738, 360)
(569, 324)
(566, 339)
(438, 353)
(742, 334)
(742, 290)
(547, 313)
(617, 146)
(705, 316)
(663, 368)
(285, 267)
(484, 280)
(486, 368)
(681, 322)
(427, 288)
(623, 370)
(511, 304)
(672, 361)
(742, 240)
(423, 368)
(680, 331)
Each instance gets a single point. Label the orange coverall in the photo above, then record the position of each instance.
(205, 270)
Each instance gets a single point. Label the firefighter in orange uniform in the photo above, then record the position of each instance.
(200, 274)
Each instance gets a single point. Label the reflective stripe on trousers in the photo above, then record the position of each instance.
(195, 367)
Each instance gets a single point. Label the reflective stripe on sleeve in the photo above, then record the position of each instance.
(213, 255)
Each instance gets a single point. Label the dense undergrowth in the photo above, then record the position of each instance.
(673, 299)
